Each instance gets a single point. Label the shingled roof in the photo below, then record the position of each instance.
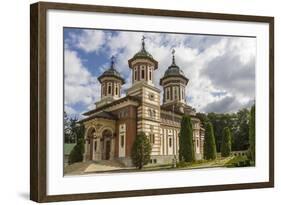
(133, 98)
(102, 115)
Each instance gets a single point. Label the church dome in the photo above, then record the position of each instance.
(174, 71)
(143, 54)
(111, 72)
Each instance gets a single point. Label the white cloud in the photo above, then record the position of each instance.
(91, 40)
(80, 85)
(194, 54)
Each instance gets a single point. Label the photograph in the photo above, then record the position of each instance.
(129, 101)
(145, 101)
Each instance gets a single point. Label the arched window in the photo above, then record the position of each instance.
(103, 90)
(142, 73)
(176, 92)
(106, 133)
(168, 93)
(122, 140)
(170, 142)
(136, 73)
(109, 89)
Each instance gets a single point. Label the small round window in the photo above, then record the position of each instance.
(151, 96)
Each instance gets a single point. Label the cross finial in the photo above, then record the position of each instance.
(173, 53)
(112, 61)
(143, 43)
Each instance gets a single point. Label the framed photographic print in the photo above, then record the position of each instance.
(134, 102)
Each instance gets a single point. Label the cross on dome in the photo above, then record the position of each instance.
(112, 61)
(173, 53)
(143, 42)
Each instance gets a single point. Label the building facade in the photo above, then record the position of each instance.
(112, 126)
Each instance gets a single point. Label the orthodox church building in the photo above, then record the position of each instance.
(111, 128)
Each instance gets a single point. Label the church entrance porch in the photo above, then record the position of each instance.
(99, 140)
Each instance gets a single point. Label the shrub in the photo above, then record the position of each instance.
(76, 154)
(141, 151)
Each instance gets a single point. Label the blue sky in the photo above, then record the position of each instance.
(221, 69)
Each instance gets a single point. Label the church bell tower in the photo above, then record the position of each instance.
(174, 88)
(111, 82)
(143, 66)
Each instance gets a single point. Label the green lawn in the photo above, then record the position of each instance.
(231, 161)
(219, 162)
(239, 161)
(68, 148)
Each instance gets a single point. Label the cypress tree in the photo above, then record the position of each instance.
(210, 151)
(186, 150)
(252, 133)
(226, 142)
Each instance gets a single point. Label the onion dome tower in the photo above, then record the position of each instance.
(174, 83)
(142, 65)
(111, 82)
(148, 113)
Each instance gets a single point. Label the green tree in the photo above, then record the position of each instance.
(186, 150)
(141, 151)
(238, 124)
(203, 118)
(78, 130)
(241, 130)
(252, 133)
(226, 142)
(76, 154)
(67, 129)
(210, 151)
(219, 122)
(70, 129)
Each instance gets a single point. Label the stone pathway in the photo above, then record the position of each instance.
(95, 167)
(81, 168)
(76, 168)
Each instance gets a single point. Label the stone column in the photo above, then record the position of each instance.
(112, 148)
(85, 147)
(99, 147)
